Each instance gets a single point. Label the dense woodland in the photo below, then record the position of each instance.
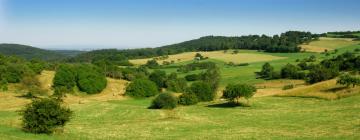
(286, 42)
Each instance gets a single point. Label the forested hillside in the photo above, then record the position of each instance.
(29, 52)
(286, 42)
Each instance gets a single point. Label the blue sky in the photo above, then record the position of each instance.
(79, 24)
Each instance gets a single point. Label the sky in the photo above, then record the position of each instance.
(95, 24)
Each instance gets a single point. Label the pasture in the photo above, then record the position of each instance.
(328, 44)
(244, 56)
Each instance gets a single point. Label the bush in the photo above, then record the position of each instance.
(90, 79)
(152, 64)
(202, 90)
(188, 99)
(267, 71)
(176, 85)
(348, 80)
(164, 101)
(286, 87)
(65, 77)
(141, 88)
(236, 91)
(159, 78)
(319, 73)
(192, 77)
(44, 115)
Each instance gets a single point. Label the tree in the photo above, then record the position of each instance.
(159, 77)
(65, 77)
(291, 71)
(234, 92)
(164, 101)
(267, 71)
(202, 90)
(176, 85)
(44, 115)
(140, 88)
(192, 77)
(348, 80)
(152, 63)
(90, 79)
(188, 99)
(320, 73)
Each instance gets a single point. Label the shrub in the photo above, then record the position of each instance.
(44, 115)
(141, 88)
(290, 71)
(319, 73)
(202, 90)
(3, 85)
(90, 79)
(152, 64)
(348, 80)
(267, 71)
(192, 77)
(159, 78)
(176, 85)
(286, 87)
(188, 99)
(164, 101)
(65, 77)
(234, 92)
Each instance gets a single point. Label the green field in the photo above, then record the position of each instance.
(267, 118)
(108, 116)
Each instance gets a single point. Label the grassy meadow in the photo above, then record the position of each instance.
(318, 111)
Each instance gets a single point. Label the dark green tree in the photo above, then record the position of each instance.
(44, 115)
(140, 88)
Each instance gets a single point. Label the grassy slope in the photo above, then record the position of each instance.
(268, 118)
(328, 44)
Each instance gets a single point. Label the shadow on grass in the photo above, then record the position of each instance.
(228, 105)
(335, 89)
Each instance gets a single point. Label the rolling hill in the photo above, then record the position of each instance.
(29, 52)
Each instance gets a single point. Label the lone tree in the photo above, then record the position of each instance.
(44, 115)
(267, 71)
(234, 92)
(348, 80)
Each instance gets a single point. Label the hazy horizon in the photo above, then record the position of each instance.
(96, 24)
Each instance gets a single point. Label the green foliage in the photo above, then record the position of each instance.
(292, 72)
(29, 52)
(234, 92)
(193, 77)
(90, 79)
(267, 71)
(202, 90)
(159, 78)
(164, 101)
(176, 85)
(286, 87)
(140, 88)
(188, 99)
(320, 73)
(65, 78)
(3, 85)
(348, 80)
(44, 115)
(152, 64)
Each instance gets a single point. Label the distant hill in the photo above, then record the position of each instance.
(69, 53)
(29, 52)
